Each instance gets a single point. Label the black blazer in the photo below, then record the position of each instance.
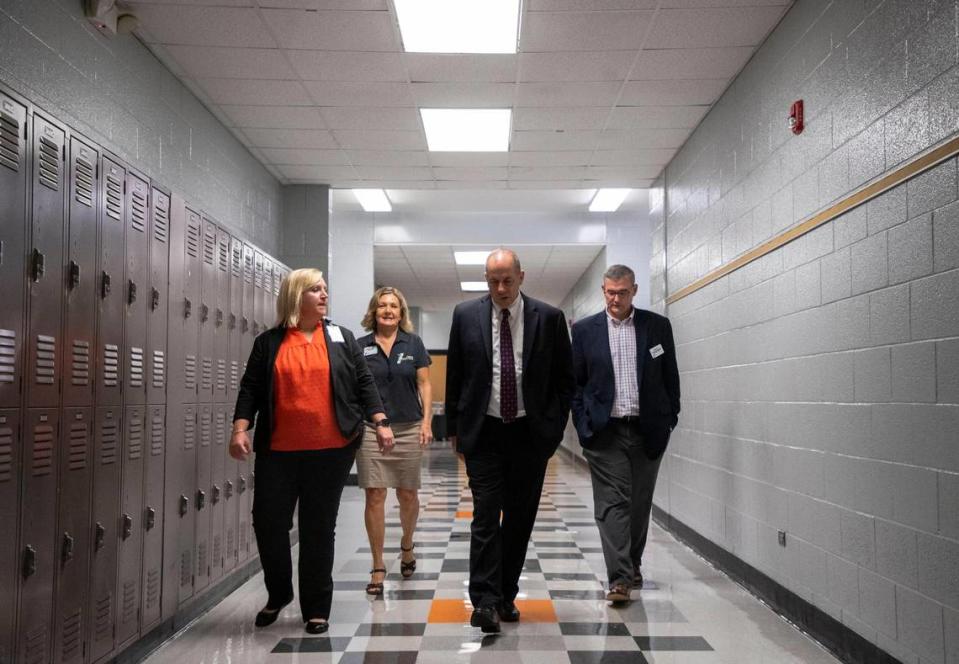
(658, 379)
(547, 372)
(354, 393)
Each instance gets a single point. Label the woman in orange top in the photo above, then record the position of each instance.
(308, 390)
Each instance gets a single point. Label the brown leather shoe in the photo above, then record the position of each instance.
(618, 592)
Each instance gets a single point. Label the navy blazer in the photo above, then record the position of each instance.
(547, 372)
(658, 379)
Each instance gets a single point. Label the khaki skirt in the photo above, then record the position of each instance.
(400, 469)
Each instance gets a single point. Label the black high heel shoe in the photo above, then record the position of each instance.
(267, 616)
(407, 569)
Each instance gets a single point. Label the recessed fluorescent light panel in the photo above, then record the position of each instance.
(473, 286)
(470, 257)
(458, 26)
(608, 200)
(373, 200)
(467, 129)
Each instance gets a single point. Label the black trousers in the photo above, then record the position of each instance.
(315, 480)
(505, 475)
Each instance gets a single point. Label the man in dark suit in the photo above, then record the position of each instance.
(625, 405)
(509, 383)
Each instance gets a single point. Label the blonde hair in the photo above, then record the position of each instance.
(291, 295)
(369, 320)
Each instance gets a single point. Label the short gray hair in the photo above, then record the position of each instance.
(617, 272)
(508, 252)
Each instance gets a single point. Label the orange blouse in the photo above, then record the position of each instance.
(303, 411)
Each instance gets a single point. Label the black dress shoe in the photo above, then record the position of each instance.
(268, 615)
(637, 579)
(317, 627)
(485, 618)
(508, 612)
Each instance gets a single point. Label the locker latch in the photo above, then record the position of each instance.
(149, 518)
(229, 489)
(67, 552)
(200, 499)
(204, 313)
(219, 317)
(131, 292)
(99, 534)
(38, 267)
(105, 284)
(74, 274)
(184, 505)
(187, 308)
(232, 321)
(244, 324)
(154, 299)
(242, 484)
(127, 528)
(216, 494)
(29, 561)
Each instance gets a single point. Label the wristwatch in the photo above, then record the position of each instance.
(385, 422)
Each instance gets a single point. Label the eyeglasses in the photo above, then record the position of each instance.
(618, 293)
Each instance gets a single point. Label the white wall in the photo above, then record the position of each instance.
(435, 329)
(351, 268)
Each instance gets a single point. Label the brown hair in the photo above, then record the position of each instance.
(369, 320)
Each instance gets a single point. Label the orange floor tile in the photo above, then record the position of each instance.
(459, 610)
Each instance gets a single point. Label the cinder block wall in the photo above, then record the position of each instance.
(117, 93)
(821, 383)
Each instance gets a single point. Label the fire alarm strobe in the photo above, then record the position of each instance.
(795, 121)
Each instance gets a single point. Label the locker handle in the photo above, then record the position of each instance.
(39, 266)
(200, 499)
(131, 292)
(229, 489)
(154, 299)
(219, 317)
(244, 324)
(184, 505)
(127, 529)
(100, 534)
(74, 274)
(204, 313)
(67, 553)
(232, 321)
(187, 308)
(216, 494)
(242, 485)
(105, 284)
(29, 561)
(149, 518)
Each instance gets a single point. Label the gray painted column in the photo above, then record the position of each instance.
(306, 226)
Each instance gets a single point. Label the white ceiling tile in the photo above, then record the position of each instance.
(350, 139)
(405, 185)
(559, 118)
(388, 158)
(317, 173)
(552, 140)
(567, 94)
(656, 117)
(483, 173)
(253, 92)
(204, 26)
(672, 93)
(648, 157)
(289, 138)
(631, 174)
(589, 5)
(577, 66)
(344, 93)
(299, 156)
(463, 95)
(642, 138)
(703, 27)
(376, 118)
(280, 117)
(333, 30)
(395, 173)
(621, 181)
(220, 3)
(668, 4)
(353, 5)
(547, 158)
(469, 159)
(584, 31)
(550, 186)
(466, 184)
(347, 66)
(230, 62)
(685, 63)
(547, 173)
(447, 67)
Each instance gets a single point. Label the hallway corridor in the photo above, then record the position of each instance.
(686, 613)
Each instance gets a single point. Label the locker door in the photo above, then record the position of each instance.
(204, 481)
(186, 502)
(207, 315)
(45, 262)
(79, 338)
(258, 294)
(188, 337)
(110, 285)
(74, 542)
(13, 242)
(9, 504)
(38, 533)
(106, 516)
(268, 308)
(217, 498)
(136, 287)
(234, 322)
(152, 518)
(221, 328)
(244, 504)
(158, 304)
(130, 525)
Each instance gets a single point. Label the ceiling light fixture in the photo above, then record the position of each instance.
(470, 257)
(467, 129)
(608, 200)
(458, 26)
(373, 200)
(473, 286)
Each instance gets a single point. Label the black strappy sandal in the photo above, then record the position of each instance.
(407, 569)
(375, 589)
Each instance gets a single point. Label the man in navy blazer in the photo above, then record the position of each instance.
(509, 382)
(625, 405)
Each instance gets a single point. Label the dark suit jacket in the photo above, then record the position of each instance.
(547, 372)
(355, 397)
(658, 379)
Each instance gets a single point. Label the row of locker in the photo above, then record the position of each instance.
(125, 321)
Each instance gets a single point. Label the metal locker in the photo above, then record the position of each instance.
(187, 335)
(221, 323)
(73, 535)
(45, 262)
(258, 294)
(38, 534)
(130, 524)
(204, 480)
(79, 331)
(136, 287)
(234, 320)
(244, 504)
(9, 504)
(110, 285)
(218, 503)
(266, 319)
(108, 433)
(152, 518)
(14, 151)
(158, 298)
(207, 321)
(186, 503)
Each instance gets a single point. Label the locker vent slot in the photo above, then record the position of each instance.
(111, 365)
(258, 276)
(221, 375)
(103, 617)
(84, 182)
(201, 554)
(71, 636)
(231, 541)
(42, 450)
(153, 588)
(193, 240)
(161, 221)
(243, 536)
(159, 369)
(114, 190)
(135, 440)
(217, 550)
(129, 602)
(35, 650)
(186, 569)
(138, 211)
(248, 269)
(46, 359)
(189, 432)
(108, 443)
(80, 368)
(6, 454)
(224, 256)
(206, 430)
(234, 375)
(49, 164)
(237, 263)
(209, 247)
(136, 367)
(156, 435)
(10, 145)
(220, 431)
(8, 355)
(206, 377)
(77, 454)
(189, 372)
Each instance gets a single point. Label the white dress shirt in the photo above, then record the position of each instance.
(516, 327)
(622, 348)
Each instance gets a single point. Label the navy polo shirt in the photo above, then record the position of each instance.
(395, 375)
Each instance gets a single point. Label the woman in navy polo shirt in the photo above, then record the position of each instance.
(401, 368)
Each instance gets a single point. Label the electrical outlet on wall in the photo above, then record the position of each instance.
(782, 538)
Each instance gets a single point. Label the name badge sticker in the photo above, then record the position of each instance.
(336, 336)
(369, 350)
(656, 350)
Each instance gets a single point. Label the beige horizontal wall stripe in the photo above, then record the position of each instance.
(909, 170)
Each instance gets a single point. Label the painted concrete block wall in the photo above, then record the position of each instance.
(118, 94)
(820, 389)
(350, 277)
